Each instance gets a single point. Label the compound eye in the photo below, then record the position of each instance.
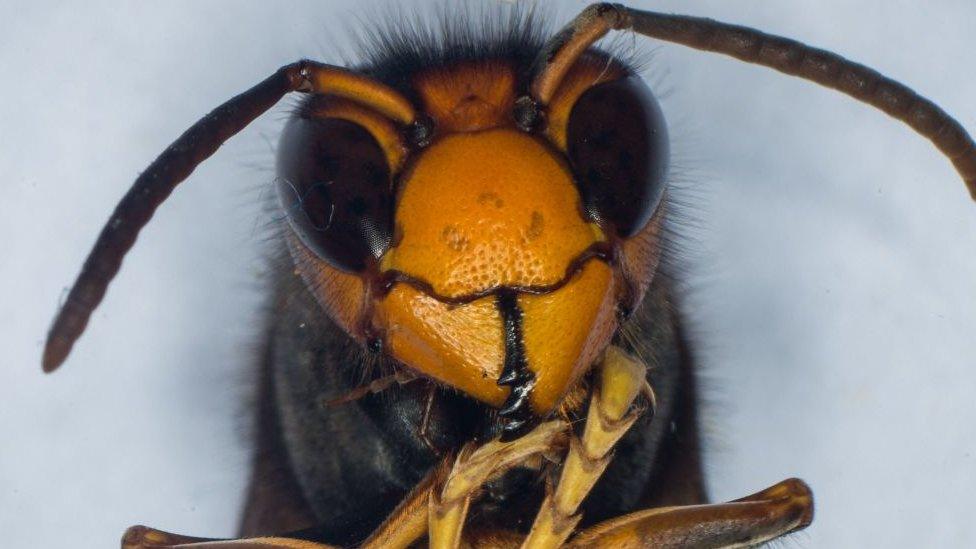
(617, 142)
(334, 185)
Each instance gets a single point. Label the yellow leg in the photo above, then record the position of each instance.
(746, 522)
(448, 505)
(142, 537)
(609, 417)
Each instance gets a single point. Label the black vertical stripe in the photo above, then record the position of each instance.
(515, 412)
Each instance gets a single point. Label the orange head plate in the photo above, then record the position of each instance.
(495, 280)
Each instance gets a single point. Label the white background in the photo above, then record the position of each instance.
(832, 291)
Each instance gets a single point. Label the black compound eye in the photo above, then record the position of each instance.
(617, 143)
(334, 185)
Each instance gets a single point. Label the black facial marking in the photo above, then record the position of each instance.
(516, 374)
(421, 132)
(529, 115)
(375, 345)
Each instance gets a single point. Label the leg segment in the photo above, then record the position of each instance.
(142, 537)
(450, 499)
(621, 379)
(400, 377)
(761, 517)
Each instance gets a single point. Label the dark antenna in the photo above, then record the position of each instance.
(178, 161)
(753, 46)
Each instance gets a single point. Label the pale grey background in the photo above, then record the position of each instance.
(833, 288)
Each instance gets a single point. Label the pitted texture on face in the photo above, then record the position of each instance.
(580, 319)
(459, 345)
(485, 210)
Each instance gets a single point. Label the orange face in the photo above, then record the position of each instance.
(496, 280)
